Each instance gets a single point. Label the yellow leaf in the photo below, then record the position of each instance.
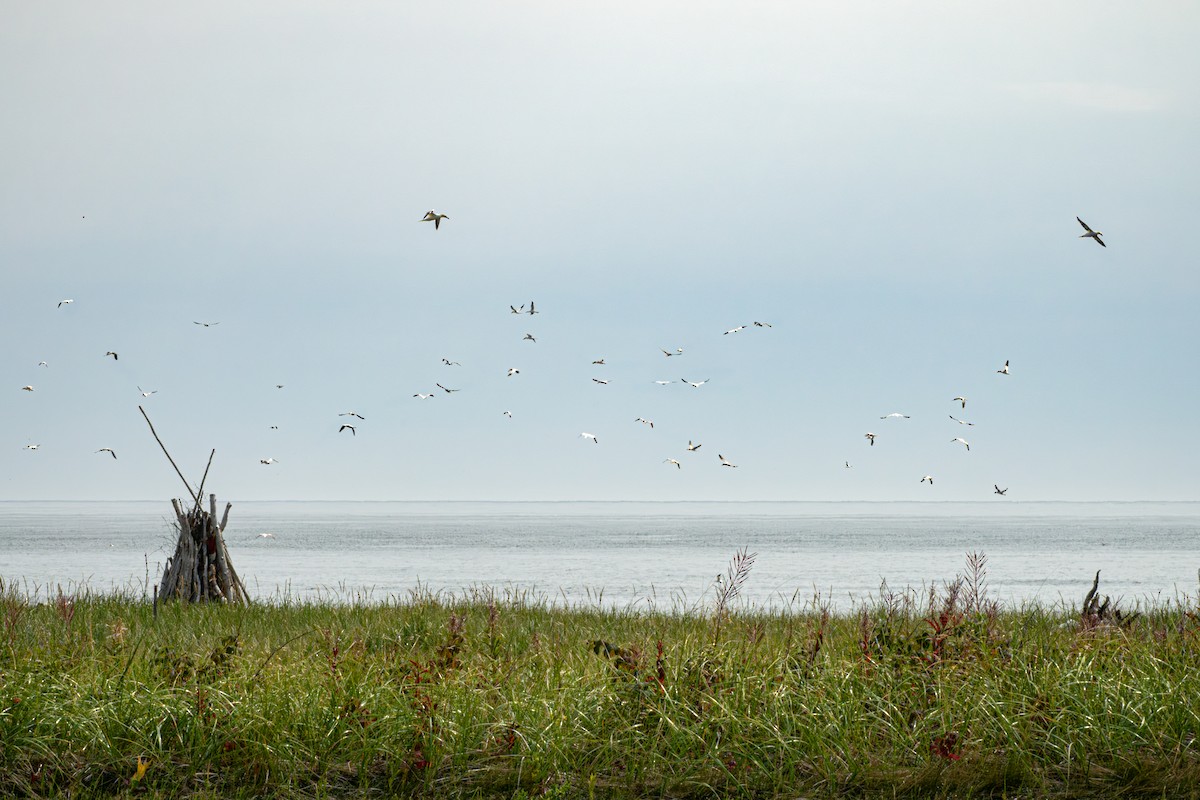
(141, 770)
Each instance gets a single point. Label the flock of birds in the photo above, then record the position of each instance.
(692, 447)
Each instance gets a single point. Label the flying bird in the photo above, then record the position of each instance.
(268, 461)
(762, 324)
(673, 461)
(205, 324)
(450, 363)
(507, 414)
(62, 303)
(645, 422)
(600, 381)
(513, 371)
(1091, 234)
(145, 393)
(434, 217)
(111, 353)
(279, 386)
(1000, 491)
(26, 388)
(532, 310)
(265, 536)
(347, 426)
(43, 364)
(959, 399)
(668, 353)
(108, 450)
(897, 415)
(734, 330)
(928, 478)
(664, 383)
(515, 311)
(599, 361)
(726, 462)
(1004, 370)
(529, 338)
(420, 396)
(591, 436)
(695, 385)
(693, 447)
(870, 438)
(32, 446)
(847, 465)
(351, 414)
(961, 421)
(444, 389)
(963, 442)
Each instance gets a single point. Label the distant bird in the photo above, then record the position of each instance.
(421, 396)
(734, 330)
(673, 461)
(847, 465)
(1000, 491)
(32, 446)
(668, 353)
(870, 438)
(444, 389)
(62, 303)
(43, 364)
(108, 450)
(529, 338)
(351, 414)
(274, 427)
(693, 447)
(347, 426)
(600, 381)
(645, 422)
(145, 393)
(532, 310)
(206, 324)
(599, 361)
(963, 442)
(961, 421)
(664, 383)
(1004, 369)
(591, 436)
(762, 324)
(450, 363)
(111, 353)
(265, 536)
(26, 388)
(695, 385)
(507, 414)
(897, 415)
(268, 461)
(1091, 234)
(960, 399)
(279, 386)
(928, 478)
(725, 462)
(513, 371)
(434, 217)
(516, 311)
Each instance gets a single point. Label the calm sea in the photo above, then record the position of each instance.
(660, 555)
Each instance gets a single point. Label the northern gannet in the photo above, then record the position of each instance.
(963, 442)
(108, 450)
(1091, 234)
(434, 217)
(726, 462)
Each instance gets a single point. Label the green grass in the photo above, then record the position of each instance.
(473, 697)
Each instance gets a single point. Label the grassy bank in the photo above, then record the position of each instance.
(939, 695)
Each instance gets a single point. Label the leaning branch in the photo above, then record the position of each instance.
(195, 497)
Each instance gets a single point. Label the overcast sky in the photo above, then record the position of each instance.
(892, 186)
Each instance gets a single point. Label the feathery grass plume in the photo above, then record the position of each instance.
(730, 586)
(976, 582)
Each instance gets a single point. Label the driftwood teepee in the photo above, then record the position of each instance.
(200, 570)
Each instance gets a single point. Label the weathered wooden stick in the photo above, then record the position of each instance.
(225, 516)
(204, 478)
(195, 496)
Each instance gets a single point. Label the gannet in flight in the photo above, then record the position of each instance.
(532, 310)
(1004, 369)
(265, 536)
(734, 330)
(896, 414)
(43, 364)
(145, 393)
(928, 478)
(268, 461)
(434, 217)
(108, 450)
(1091, 234)
(870, 438)
(664, 383)
(279, 386)
(961, 421)
(959, 399)
(996, 486)
(763, 324)
(205, 324)
(444, 389)
(591, 436)
(726, 462)
(847, 465)
(420, 396)
(599, 361)
(507, 414)
(963, 442)
(513, 371)
(111, 353)
(645, 422)
(26, 388)
(62, 303)
(600, 381)
(450, 363)
(514, 309)
(695, 385)
(668, 353)
(32, 446)
(351, 414)
(693, 447)
(347, 426)
(673, 461)
(529, 338)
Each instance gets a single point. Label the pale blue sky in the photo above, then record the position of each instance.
(893, 186)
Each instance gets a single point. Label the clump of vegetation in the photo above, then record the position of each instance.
(944, 694)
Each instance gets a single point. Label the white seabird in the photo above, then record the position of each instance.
(1004, 370)
(673, 461)
(591, 436)
(693, 447)
(645, 422)
(1000, 491)
(268, 461)
(26, 388)
(870, 438)
(529, 338)
(1091, 234)
(928, 478)
(695, 385)
(959, 399)
(513, 371)
(450, 363)
(62, 303)
(347, 426)
(145, 393)
(734, 330)
(961, 441)
(897, 415)
(108, 450)
(961, 421)
(32, 446)
(351, 414)
(726, 462)
(444, 389)
(421, 396)
(762, 324)
(205, 324)
(668, 353)
(601, 381)
(111, 353)
(434, 217)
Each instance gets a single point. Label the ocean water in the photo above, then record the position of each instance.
(653, 555)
